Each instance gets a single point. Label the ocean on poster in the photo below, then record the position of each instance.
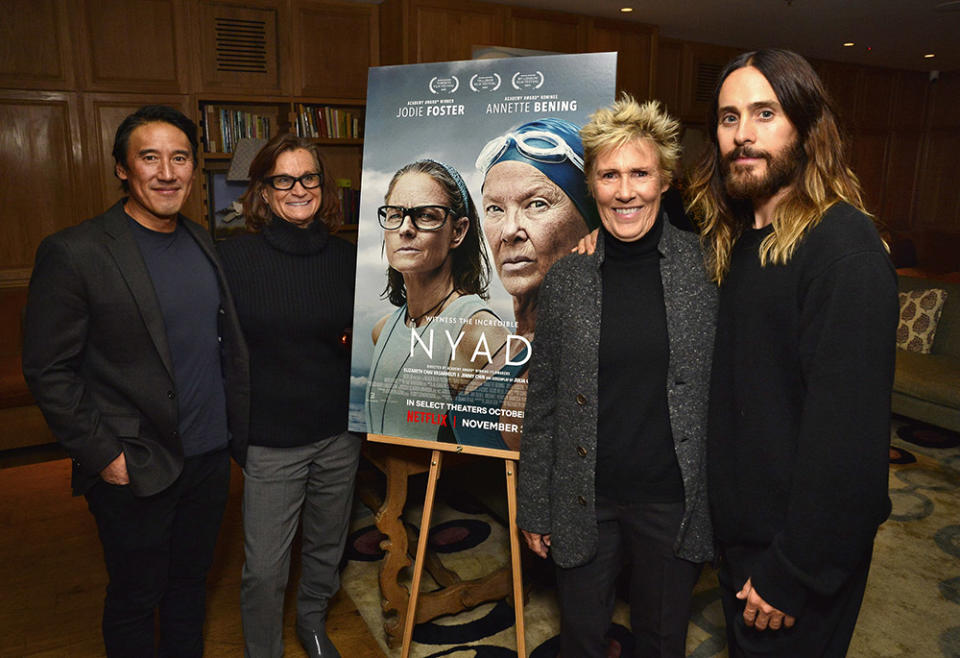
(449, 112)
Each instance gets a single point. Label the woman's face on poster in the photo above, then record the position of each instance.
(529, 222)
(411, 250)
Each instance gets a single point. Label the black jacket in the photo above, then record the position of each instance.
(96, 359)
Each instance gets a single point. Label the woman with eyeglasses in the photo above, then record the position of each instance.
(613, 465)
(293, 284)
(442, 331)
(535, 206)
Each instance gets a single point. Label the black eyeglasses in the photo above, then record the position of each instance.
(425, 218)
(284, 182)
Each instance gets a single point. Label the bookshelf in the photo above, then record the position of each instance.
(335, 124)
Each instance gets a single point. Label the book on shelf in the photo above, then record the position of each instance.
(328, 122)
(349, 201)
(225, 126)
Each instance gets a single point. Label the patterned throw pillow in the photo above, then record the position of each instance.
(919, 315)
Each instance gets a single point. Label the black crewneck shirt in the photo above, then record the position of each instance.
(187, 290)
(636, 461)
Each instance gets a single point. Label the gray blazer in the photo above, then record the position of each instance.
(558, 453)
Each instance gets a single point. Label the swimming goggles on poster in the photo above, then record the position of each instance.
(526, 143)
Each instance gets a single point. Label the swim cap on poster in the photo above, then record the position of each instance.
(553, 147)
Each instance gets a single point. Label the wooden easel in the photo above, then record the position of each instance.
(436, 461)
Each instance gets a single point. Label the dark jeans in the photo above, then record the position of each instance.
(158, 550)
(661, 584)
(823, 626)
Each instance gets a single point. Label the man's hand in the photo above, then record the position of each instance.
(760, 614)
(539, 544)
(116, 471)
(587, 244)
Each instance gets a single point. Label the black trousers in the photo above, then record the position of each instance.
(823, 626)
(158, 550)
(661, 584)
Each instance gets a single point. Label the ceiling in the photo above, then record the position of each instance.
(890, 33)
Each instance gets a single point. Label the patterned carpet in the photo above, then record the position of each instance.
(911, 607)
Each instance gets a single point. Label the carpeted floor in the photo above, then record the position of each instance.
(911, 607)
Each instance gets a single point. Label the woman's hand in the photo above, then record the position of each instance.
(587, 244)
(539, 544)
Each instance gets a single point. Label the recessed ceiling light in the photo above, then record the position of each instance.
(626, 10)
(847, 44)
(929, 56)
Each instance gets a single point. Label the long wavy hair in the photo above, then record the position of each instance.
(257, 211)
(824, 177)
(469, 263)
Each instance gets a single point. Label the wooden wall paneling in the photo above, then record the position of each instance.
(875, 96)
(394, 32)
(36, 46)
(552, 31)
(104, 113)
(900, 179)
(842, 83)
(134, 45)
(41, 187)
(702, 64)
(909, 105)
(668, 74)
(13, 389)
(333, 46)
(944, 101)
(907, 124)
(867, 160)
(242, 47)
(938, 192)
(636, 45)
(937, 215)
(444, 30)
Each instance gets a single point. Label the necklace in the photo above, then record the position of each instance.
(407, 318)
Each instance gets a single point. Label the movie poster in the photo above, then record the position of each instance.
(472, 187)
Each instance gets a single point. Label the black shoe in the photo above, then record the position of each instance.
(316, 643)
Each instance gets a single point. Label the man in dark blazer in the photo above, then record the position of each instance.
(134, 354)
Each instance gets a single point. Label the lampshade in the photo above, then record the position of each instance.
(244, 153)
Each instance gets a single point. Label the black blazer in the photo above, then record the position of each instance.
(96, 358)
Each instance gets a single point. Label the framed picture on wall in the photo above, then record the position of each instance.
(226, 216)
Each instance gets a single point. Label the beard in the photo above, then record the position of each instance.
(782, 169)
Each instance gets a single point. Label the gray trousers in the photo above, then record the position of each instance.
(314, 481)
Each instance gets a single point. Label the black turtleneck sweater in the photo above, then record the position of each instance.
(636, 461)
(293, 290)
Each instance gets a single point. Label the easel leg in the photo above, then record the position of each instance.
(436, 458)
(515, 555)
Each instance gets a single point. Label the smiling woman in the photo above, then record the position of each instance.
(293, 285)
(615, 430)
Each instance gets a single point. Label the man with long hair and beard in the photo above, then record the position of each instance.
(803, 367)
